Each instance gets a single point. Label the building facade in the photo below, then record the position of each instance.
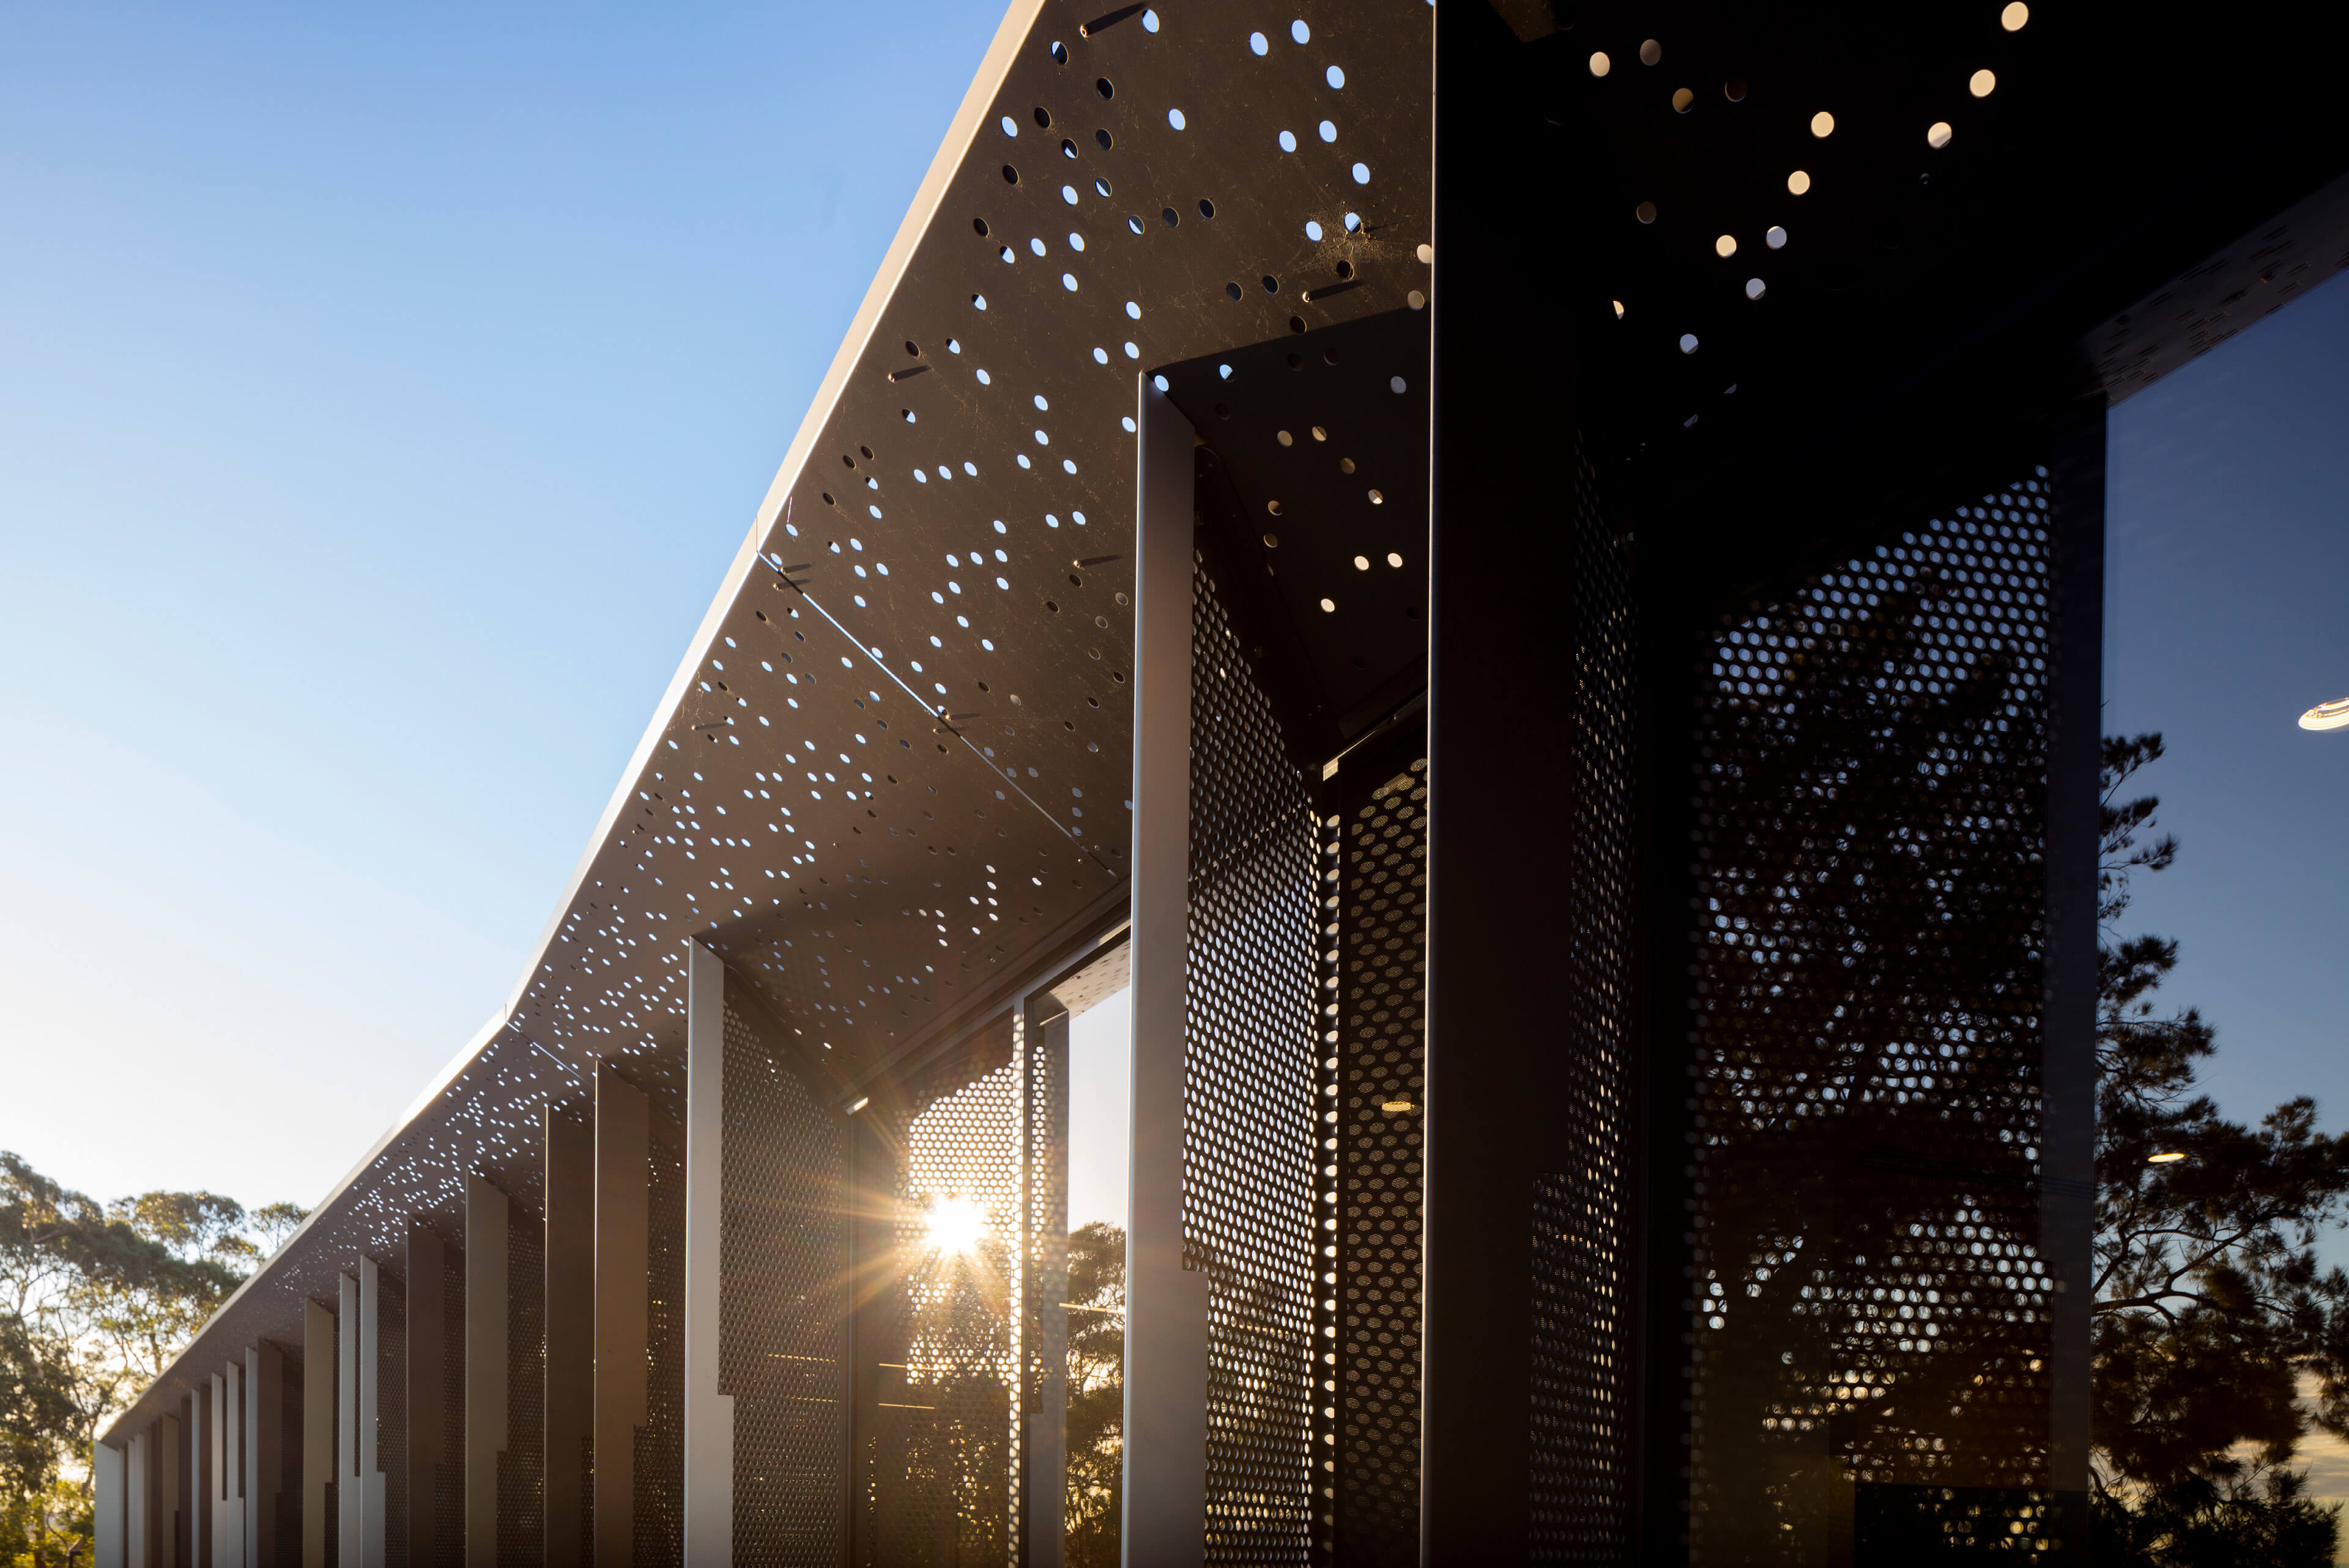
(1528, 576)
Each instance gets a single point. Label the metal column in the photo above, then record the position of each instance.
(2068, 1105)
(264, 1452)
(166, 1506)
(320, 1376)
(227, 1499)
(1045, 1147)
(363, 1504)
(708, 1414)
(198, 1524)
(570, 1330)
(350, 1492)
(1167, 1310)
(139, 1499)
(1504, 1084)
(623, 1263)
(110, 1496)
(427, 1376)
(487, 1302)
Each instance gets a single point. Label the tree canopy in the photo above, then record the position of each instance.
(2220, 1340)
(96, 1299)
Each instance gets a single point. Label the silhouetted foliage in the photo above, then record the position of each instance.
(2211, 1312)
(1096, 1394)
(96, 1299)
(1863, 1088)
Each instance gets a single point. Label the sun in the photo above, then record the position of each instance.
(957, 1225)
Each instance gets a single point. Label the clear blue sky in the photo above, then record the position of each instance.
(382, 398)
(2227, 615)
(382, 395)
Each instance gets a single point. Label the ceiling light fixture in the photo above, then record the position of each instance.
(2327, 716)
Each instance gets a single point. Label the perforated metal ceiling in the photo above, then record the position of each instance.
(892, 774)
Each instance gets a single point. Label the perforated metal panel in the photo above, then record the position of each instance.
(1377, 910)
(1251, 1118)
(947, 1443)
(660, 1442)
(1582, 1211)
(1044, 1236)
(522, 1496)
(782, 1325)
(1868, 1305)
(833, 892)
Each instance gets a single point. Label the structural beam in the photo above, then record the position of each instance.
(709, 1413)
(1167, 1305)
(623, 1261)
(487, 1303)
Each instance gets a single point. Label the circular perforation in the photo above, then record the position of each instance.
(1870, 811)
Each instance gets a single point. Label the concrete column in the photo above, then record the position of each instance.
(1167, 1305)
(623, 1267)
(486, 1307)
(321, 1369)
(708, 1414)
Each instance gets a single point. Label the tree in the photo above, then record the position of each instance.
(1096, 1445)
(2211, 1312)
(36, 1403)
(95, 1301)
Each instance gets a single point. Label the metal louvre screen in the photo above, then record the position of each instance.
(948, 1448)
(1581, 1215)
(782, 1312)
(659, 1524)
(1251, 1183)
(1870, 1319)
(522, 1496)
(1380, 843)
